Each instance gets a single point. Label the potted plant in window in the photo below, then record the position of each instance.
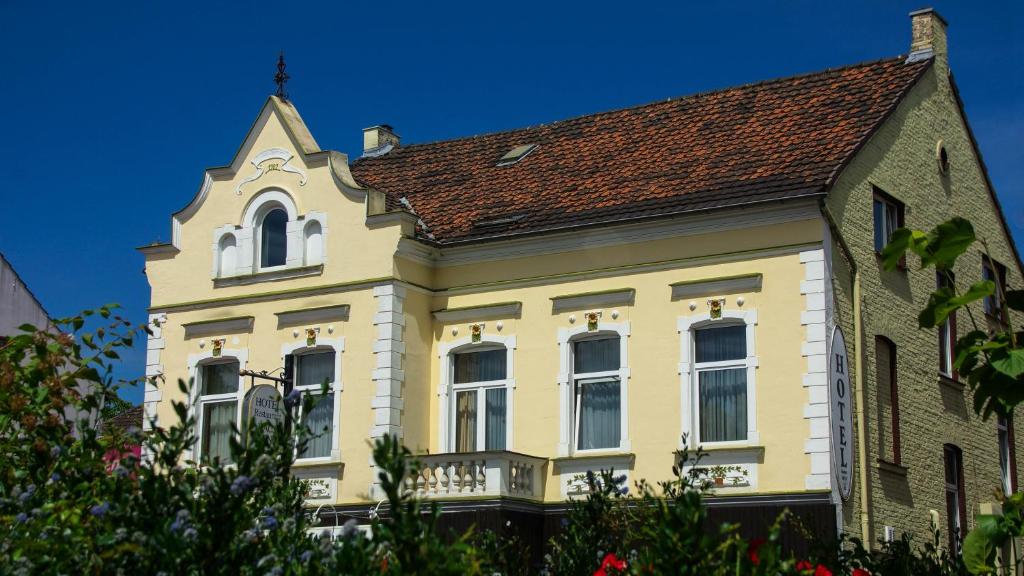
(720, 472)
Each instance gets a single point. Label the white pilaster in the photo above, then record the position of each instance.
(389, 375)
(815, 380)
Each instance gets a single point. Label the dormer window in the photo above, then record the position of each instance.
(516, 154)
(274, 238)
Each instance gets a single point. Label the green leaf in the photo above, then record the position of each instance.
(979, 549)
(947, 242)
(944, 301)
(1011, 364)
(903, 239)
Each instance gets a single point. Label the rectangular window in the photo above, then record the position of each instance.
(598, 404)
(885, 373)
(312, 370)
(218, 402)
(947, 331)
(720, 355)
(888, 216)
(956, 501)
(1007, 455)
(996, 273)
(480, 389)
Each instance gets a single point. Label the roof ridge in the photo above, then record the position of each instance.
(399, 149)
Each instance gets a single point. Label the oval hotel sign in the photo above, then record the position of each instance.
(840, 412)
(263, 405)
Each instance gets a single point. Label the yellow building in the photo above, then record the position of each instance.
(524, 306)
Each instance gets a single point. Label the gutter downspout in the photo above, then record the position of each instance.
(858, 331)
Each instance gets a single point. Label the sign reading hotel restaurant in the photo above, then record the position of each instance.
(840, 412)
(263, 405)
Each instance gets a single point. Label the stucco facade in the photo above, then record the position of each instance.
(363, 279)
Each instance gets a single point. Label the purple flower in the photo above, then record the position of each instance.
(306, 556)
(21, 517)
(55, 451)
(55, 477)
(190, 534)
(292, 398)
(241, 485)
(100, 510)
(269, 523)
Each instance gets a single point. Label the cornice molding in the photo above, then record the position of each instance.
(624, 296)
(312, 315)
(502, 310)
(285, 274)
(219, 326)
(724, 285)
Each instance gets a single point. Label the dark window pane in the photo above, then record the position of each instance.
(596, 355)
(221, 378)
(496, 424)
(273, 239)
(482, 366)
(718, 344)
(879, 218)
(723, 405)
(316, 367)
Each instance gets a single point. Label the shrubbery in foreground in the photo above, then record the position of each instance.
(66, 508)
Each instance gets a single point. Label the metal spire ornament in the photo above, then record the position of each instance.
(281, 78)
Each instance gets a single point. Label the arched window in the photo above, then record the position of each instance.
(273, 241)
(218, 408)
(597, 405)
(480, 399)
(314, 248)
(227, 254)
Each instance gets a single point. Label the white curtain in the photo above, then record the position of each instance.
(596, 355)
(599, 413)
(482, 366)
(465, 421)
(315, 368)
(217, 420)
(723, 405)
(495, 424)
(320, 422)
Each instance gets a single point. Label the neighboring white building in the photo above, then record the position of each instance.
(17, 303)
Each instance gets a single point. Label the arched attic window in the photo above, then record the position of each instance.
(273, 241)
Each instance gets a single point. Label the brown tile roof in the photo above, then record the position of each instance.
(124, 420)
(772, 140)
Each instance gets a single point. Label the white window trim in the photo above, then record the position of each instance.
(946, 357)
(566, 383)
(338, 345)
(446, 389)
(195, 363)
(687, 376)
(1005, 471)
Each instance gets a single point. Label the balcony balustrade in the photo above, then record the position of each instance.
(497, 473)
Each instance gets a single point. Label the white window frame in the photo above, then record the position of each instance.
(567, 385)
(1005, 460)
(196, 400)
(322, 345)
(447, 389)
(688, 374)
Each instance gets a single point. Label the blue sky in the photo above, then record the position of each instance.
(115, 109)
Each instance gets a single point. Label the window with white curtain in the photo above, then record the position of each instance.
(597, 406)
(480, 407)
(720, 368)
(218, 409)
(312, 369)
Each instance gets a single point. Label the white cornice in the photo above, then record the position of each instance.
(222, 326)
(689, 289)
(312, 315)
(592, 300)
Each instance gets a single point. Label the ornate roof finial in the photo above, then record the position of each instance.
(281, 78)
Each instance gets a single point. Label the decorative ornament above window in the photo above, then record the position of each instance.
(477, 331)
(592, 320)
(311, 334)
(716, 307)
(270, 160)
(217, 346)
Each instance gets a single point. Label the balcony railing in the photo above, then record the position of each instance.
(478, 474)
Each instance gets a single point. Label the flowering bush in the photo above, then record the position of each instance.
(73, 501)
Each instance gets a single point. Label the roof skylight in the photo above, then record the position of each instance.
(516, 154)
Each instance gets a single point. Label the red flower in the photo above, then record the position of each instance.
(804, 565)
(755, 545)
(610, 561)
(820, 570)
(860, 572)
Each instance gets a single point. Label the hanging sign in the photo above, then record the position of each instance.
(263, 405)
(841, 413)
